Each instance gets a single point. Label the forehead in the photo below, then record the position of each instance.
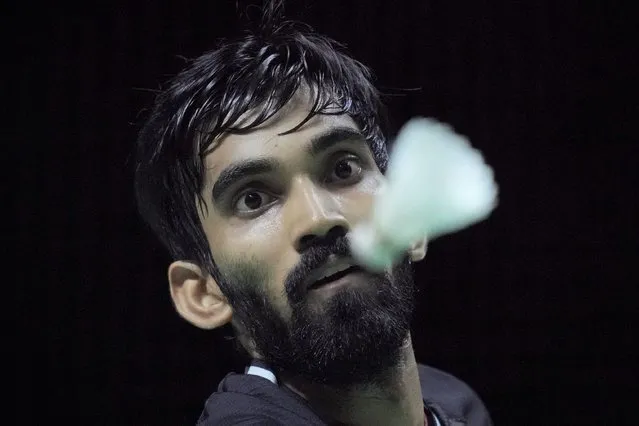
(267, 139)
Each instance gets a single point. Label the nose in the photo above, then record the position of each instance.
(315, 215)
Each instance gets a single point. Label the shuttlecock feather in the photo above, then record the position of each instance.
(437, 184)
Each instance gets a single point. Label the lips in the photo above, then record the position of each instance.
(332, 270)
(336, 276)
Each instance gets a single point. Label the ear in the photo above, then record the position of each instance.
(417, 251)
(197, 297)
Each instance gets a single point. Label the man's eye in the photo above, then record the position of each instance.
(346, 168)
(251, 200)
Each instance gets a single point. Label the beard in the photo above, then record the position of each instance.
(350, 339)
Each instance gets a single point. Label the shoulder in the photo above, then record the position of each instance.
(452, 398)
(228, 408)
(251, 400)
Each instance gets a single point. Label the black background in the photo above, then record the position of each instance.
(534, 307)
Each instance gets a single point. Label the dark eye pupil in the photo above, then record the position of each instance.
(253, 200)
(343, 169)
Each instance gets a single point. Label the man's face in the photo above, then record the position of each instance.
(271, 224)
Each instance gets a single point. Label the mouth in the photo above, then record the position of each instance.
(336, 278)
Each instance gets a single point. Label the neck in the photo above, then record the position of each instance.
(395, 400)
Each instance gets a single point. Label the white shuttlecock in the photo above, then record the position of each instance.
(437, 184)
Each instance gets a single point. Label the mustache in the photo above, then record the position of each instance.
(313, 257)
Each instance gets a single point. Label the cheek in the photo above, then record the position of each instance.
(265, 248)
(261, 243)
(253, 243)
(257, 237)
(241, 235)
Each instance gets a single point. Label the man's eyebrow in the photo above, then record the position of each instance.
(243, 169)
(240, 170)
(324, 141)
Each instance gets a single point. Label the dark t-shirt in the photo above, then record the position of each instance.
(246, 399)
